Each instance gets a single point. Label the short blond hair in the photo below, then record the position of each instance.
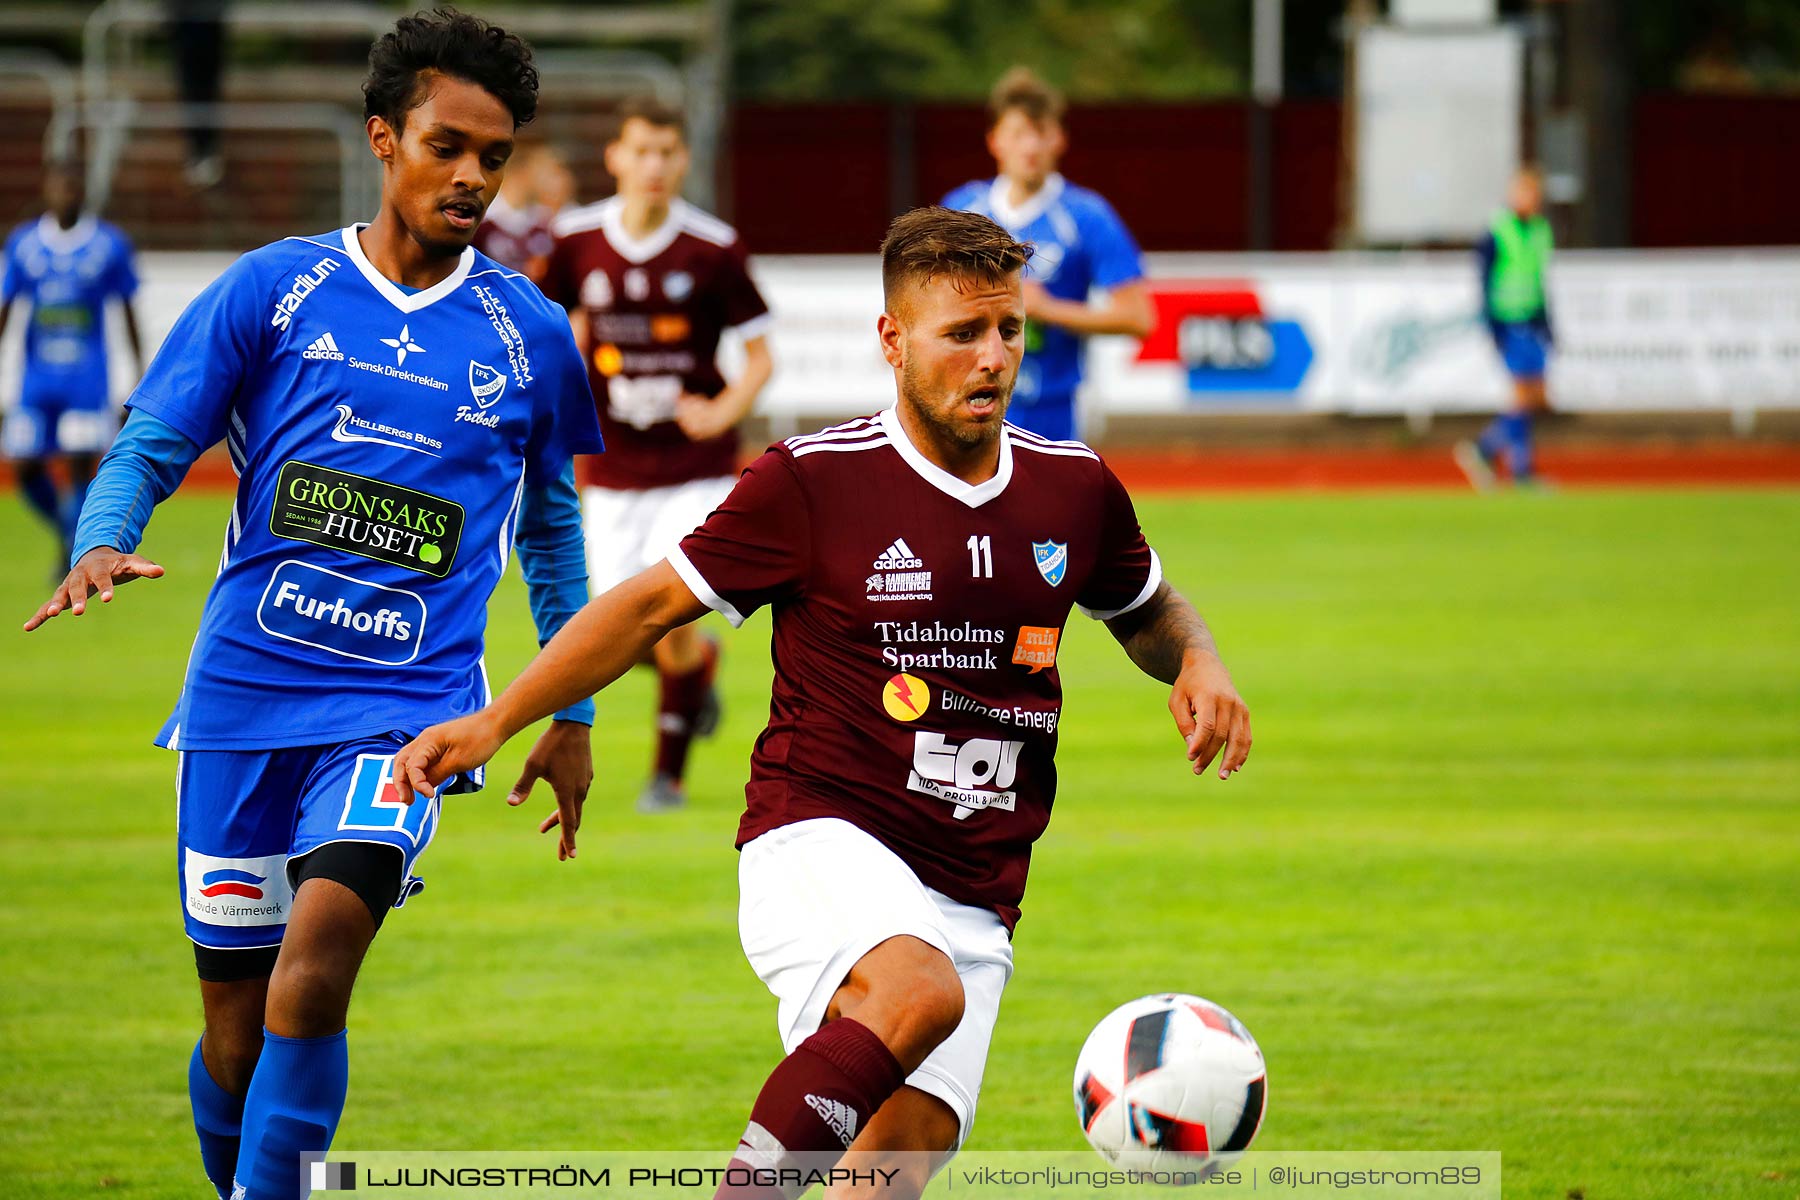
(1023, 89)
(926, 243)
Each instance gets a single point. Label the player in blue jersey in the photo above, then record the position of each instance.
(1080, 244)
(401, 412)
(67, 265)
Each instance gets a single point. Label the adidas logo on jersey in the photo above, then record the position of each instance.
(325, 347)
(836, 1114)
(898, 557)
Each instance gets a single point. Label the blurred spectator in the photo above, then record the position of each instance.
(1512, 260)
(197, 32)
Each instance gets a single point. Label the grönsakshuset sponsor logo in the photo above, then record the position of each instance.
(370, 518)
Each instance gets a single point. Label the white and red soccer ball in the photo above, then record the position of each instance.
(1170, 1083)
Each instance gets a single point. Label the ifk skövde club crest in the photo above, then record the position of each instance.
(1052, 560)
(486, 383)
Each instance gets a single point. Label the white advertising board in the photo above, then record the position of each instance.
(1375, 334)
(1437, 130)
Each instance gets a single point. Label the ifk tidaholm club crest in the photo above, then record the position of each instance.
(1052, 560)
(486, 383)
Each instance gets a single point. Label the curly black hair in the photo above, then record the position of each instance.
(453, 43)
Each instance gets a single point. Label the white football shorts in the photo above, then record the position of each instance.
(816, 896)
(631, 530)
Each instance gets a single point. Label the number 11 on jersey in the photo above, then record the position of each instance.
(981, 556)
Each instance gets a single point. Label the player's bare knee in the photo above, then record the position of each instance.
(932, 1002)
(941, 1003)
(308, 997)
(231, 1058)
(907, 992)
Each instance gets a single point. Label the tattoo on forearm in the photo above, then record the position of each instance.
(1163, 632)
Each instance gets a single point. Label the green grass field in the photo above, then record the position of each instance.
(1515, 866)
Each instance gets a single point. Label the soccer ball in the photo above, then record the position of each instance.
(1170, 1083)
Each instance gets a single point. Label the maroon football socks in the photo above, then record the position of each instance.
(812, 1108)
(679, 701)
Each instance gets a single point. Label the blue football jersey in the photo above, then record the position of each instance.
(68, 275)
(1080, 244)
(382, 439)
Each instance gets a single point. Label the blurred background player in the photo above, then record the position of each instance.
(1079, 244)
(516, 230)
(1513, 257)
(654, 282)
(197, 42)
(67, 264)
(552, 180)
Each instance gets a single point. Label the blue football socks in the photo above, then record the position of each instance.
(40, 492)
(1518, 444)
(218, 1120)
(295, 1100)
(1509, 435)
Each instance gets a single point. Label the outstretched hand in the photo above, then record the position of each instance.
(563, 758)
(442, 751)
(100, 570)
(1211, 716)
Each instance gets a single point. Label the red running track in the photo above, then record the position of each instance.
(1722, 465)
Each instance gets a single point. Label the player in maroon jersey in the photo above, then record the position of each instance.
(655, 282)
(921, 565)
(515, 230)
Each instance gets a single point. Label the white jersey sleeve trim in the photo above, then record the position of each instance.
(1150, 586)
(703, 592)
(756, 326)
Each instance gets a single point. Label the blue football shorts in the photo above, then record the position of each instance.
(1524, 350)
(60, 412)
(247, 817)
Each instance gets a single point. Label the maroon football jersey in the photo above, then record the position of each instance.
(514, 236)
(917, 619)
(655, 310)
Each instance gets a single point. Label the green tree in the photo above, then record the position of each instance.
(954, 49)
